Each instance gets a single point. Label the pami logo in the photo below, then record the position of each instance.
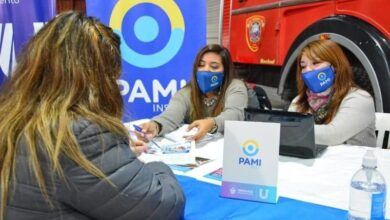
(251, 149)
(323, 78)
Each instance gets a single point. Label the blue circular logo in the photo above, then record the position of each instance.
(146, 29)
(250, 148)
(321, 76)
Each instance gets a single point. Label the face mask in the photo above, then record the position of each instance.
(319, 80)
(209, 81)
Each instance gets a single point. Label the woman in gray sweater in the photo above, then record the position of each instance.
(343, 113)
(212, 97)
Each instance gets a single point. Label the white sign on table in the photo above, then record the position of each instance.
(250, 161)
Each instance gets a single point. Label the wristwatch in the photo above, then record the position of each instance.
(214, 128)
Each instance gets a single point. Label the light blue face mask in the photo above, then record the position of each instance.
(319, 80)
(209, 81)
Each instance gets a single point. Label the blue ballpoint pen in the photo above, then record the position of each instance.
(139, 129)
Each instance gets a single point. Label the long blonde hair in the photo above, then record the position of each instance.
(326, 50)
(67, 71)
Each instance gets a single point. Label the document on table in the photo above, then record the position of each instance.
(184, 156)
(172, 153)
(180, 134)
(215, 175)
(199, 161)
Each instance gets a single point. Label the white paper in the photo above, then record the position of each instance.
(179, 135)
(174, 153)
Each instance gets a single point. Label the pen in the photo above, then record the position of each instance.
(139, 129)
(170, 139)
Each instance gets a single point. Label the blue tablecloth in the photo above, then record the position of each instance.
(204, 202)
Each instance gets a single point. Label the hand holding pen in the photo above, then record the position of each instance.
(150, 129)
(145, 135)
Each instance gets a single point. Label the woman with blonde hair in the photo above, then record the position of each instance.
(343, 113)
(213, 96)
(64, 152)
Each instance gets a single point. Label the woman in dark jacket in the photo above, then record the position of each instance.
(64, 153)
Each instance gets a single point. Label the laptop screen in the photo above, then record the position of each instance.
(296, 131)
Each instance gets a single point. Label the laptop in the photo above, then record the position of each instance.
(296, 131)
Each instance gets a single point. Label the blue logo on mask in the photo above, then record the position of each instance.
(209, 81)
(319, 80)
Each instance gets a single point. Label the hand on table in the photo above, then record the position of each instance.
(203, 126)
(149, 130)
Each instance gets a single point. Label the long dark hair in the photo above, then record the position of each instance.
(196, 95)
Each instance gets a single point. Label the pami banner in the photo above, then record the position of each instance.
(160, 40)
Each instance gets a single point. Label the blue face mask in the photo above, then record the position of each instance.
(209, 81)
(319, 80)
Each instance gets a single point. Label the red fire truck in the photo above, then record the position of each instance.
(265, 36)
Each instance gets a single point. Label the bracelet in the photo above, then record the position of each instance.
(214, 128)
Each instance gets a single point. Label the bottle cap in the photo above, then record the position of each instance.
(369, 159)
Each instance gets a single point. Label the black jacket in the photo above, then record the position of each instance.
(140, 191)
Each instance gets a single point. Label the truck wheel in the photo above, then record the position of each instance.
(366, 48)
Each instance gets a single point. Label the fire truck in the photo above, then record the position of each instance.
(265, 37)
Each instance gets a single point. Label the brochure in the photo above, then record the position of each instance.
(188, 167)
(176, 153)
(215, 175)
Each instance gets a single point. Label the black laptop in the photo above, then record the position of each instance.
(296, 131)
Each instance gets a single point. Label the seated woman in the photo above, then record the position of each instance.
(212, 96)
(343, 113)
(64, 152)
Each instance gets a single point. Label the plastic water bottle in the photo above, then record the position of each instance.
(367, 198)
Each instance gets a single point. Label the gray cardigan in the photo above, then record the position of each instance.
(140, 191)
(354, 122)
(179, 107)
